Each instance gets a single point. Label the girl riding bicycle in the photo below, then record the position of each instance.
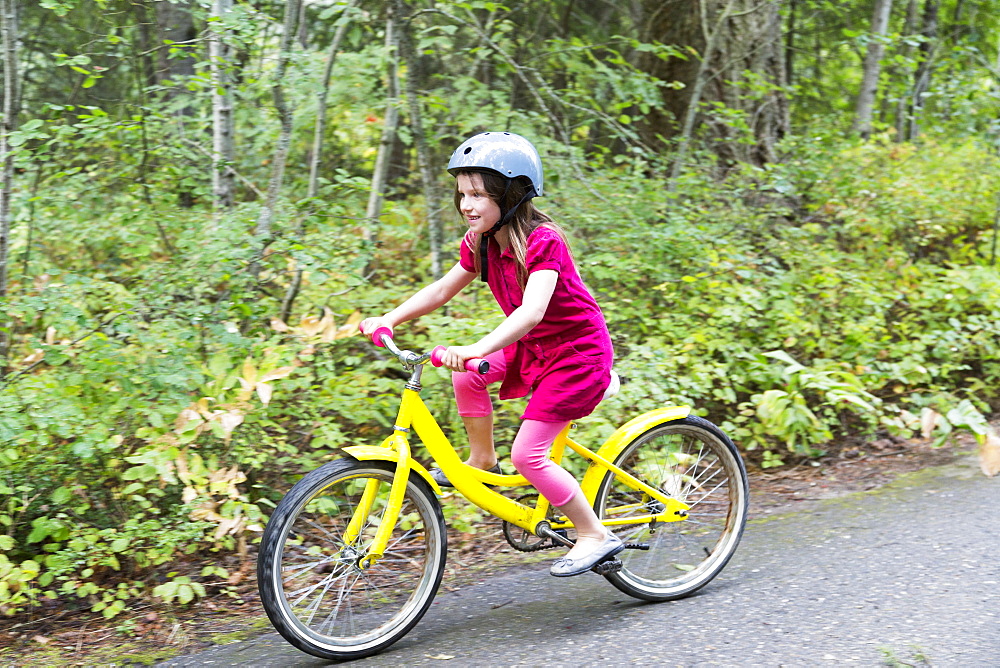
(554, 343)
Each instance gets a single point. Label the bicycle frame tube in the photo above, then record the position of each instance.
(466, 479)
(624, 435)
(674, 510)
(472, 482)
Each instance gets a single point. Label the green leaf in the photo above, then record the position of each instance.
(61, 495)
(185, 594)
(41, 528)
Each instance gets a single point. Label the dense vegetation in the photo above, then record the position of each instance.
(177, 350)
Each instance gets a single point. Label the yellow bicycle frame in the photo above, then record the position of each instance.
(472, 482)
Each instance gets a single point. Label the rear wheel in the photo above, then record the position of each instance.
(315, 587)
(693, 461)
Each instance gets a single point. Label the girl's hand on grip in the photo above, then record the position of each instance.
(457, 358)
(374, 328)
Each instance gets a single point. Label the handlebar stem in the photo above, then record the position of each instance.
(407, 358)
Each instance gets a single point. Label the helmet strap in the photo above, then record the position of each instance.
(490, 233)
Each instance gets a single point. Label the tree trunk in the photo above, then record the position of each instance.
(871, 69)
(146, 45)
(320, 128)
(790, 42)
(175, 23)
(381, 171)
(266, 216)
(317, 148)
(414, 76)
(223, 153)
(922, 78)
(700, 80)
(740, 66)
(909, 28)
(11, 108)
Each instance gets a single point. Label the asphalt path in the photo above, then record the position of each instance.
(908, 574)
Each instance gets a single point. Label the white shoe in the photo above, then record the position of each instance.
(564, 567)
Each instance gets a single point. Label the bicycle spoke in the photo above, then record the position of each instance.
(691, 464)
(318, 589)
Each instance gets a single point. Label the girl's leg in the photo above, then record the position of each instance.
(530, 455)
(476, 409)
(482, 454)
(590, 533)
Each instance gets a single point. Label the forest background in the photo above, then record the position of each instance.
(787, 210)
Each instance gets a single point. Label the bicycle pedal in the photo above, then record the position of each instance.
(636, 546)
(609, 566)
(560, 532)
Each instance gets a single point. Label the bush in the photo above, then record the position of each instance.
(159, 408)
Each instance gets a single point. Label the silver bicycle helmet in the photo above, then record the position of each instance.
(506, 153)
(509, 155)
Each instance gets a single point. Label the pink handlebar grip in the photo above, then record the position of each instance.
(377, 335)
(476, 365)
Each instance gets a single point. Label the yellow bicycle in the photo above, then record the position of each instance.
(353, 555)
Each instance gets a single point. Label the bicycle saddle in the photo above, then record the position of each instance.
(613, 388)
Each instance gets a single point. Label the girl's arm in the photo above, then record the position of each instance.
(537, 294)
(427, 299)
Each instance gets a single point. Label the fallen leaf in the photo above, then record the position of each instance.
(247, 388)
(50, 335)
(264, 392)
(278, 325)
(310, 325)
(276, 374)
(232, 420)
(929, 419)
(329, 328)
(249, 371)
(989, 455)
(185, 417)
(34, 356)
(41, 640)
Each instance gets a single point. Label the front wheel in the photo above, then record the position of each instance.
(314, 584)
(692, 461)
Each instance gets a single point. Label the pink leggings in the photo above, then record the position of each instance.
(530, 452)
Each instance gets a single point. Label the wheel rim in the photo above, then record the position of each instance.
(694, 466)
(323, 590)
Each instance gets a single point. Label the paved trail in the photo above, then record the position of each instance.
(910, 573)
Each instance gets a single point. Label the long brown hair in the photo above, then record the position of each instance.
(525, 220)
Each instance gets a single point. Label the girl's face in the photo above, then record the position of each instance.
(480, 212)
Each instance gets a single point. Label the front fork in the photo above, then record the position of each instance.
(394, 504)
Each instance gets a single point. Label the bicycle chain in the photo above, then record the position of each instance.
(531, 543)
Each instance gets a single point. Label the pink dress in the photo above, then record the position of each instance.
(565, 361)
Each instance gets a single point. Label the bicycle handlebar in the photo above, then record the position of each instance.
(476, 364)
(382, 337)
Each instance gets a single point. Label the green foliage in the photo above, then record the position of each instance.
(180, 588)
(157, 406)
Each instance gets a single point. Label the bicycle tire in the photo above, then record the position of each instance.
(694, 461)
(311, 586)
